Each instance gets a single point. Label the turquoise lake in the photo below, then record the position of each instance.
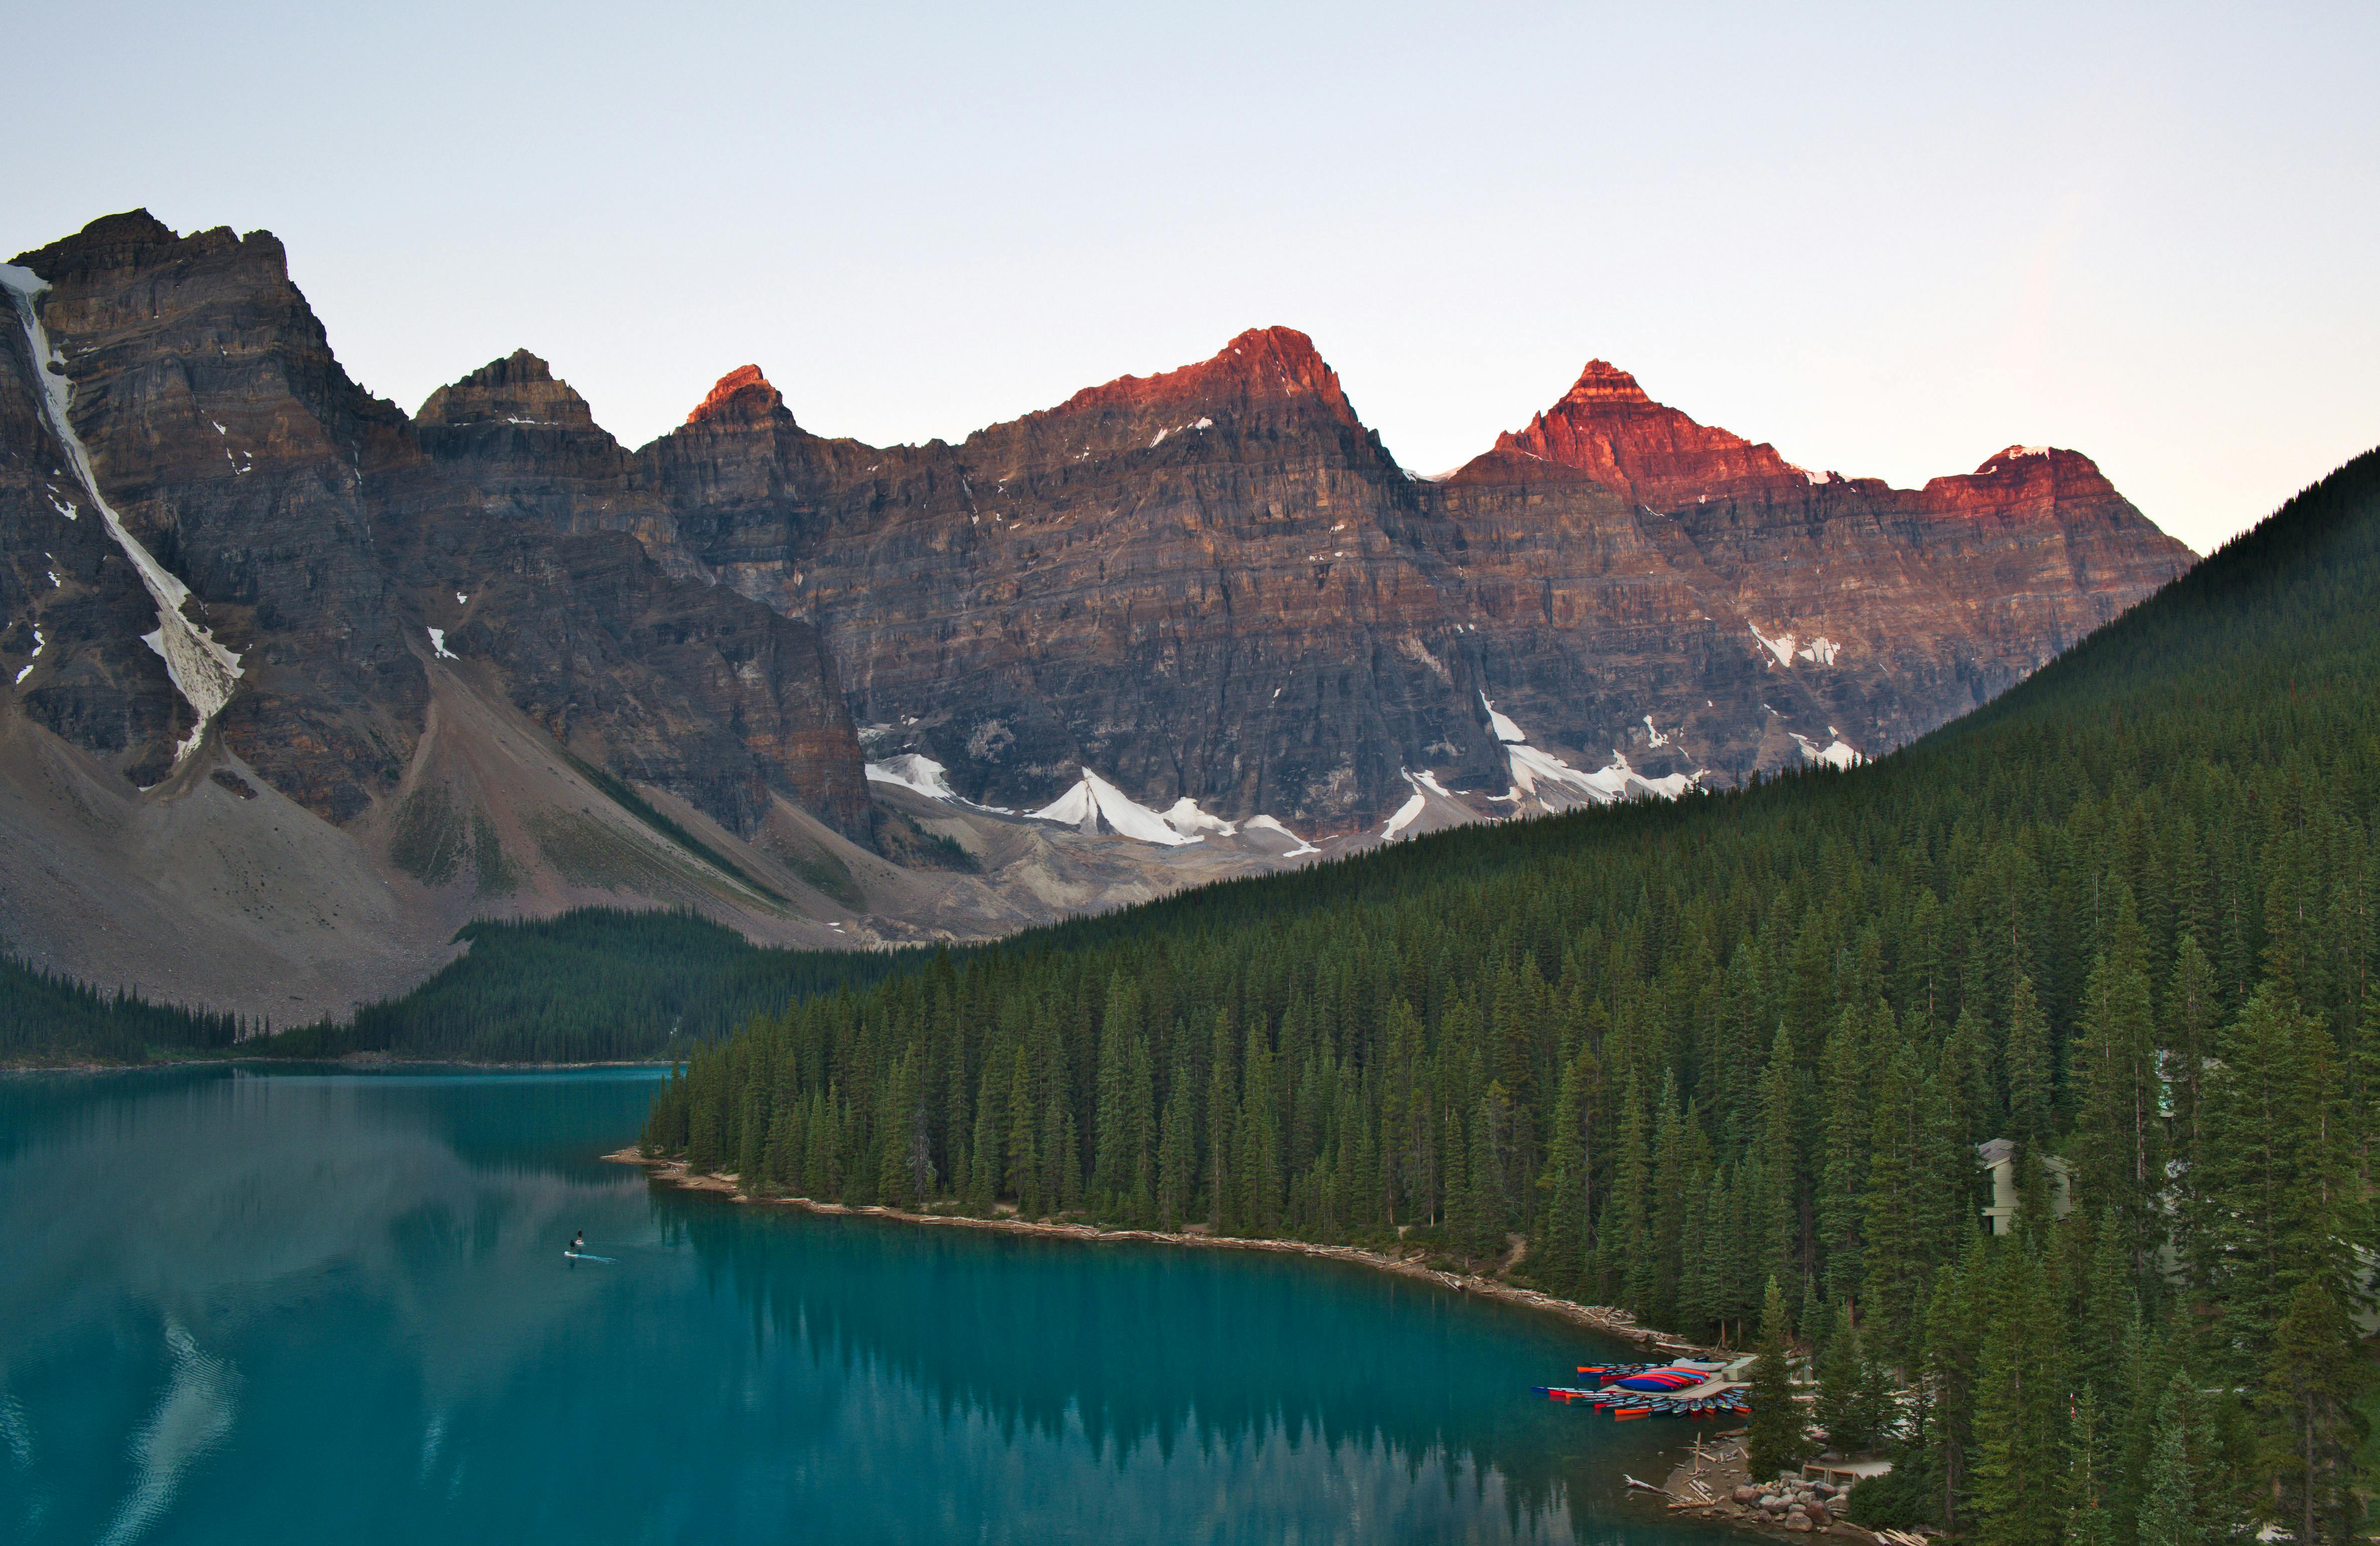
(307, 1306)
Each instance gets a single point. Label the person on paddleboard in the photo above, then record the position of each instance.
(578, 1243)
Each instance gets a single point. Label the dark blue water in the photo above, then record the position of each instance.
(292, 1306)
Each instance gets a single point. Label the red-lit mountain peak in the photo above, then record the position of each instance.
(1263, 363)
(743, 395)
(1607, 427)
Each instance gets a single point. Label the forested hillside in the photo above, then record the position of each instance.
(46, 1018)
(2124, 917)
(601, 984)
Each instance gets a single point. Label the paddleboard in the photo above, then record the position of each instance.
(583, 1255)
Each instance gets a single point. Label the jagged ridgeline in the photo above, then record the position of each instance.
(2125, 915)
(594, 985)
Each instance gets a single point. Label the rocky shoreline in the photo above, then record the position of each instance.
(1713, 1482)
(1601, 1319)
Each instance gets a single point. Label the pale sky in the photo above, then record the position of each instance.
(1889, 239)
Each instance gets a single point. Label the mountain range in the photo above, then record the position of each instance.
(299, 682)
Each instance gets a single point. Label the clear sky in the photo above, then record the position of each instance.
(1890, 239)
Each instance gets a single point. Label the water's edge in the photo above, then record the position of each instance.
(1603, 1319)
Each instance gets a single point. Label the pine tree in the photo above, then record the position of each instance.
(1898, 1252)
(1623, 1235)
(1846, 1132)
(1485, 1176)
(2026, 1059)
(1024, 1141)
(2020, 1409)
(1780, 1162)
(2189, 1020)
(1776, 1439)
(2271, 1207)
(2118, 1143)
(1112, 1163)
(1564, 1182)
(1177, 1169)
(2170, 1506)
(2088, 1522)
(1843, 1391)
(2312, 1428)
(985, 1174)
(1674, 1161)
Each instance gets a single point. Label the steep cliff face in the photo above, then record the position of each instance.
(1184, 583)
(323, 541)
(221, 556)
(1890, 610)
(1214, 584)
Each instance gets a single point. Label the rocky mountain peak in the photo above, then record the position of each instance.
(1264, 363)
(111, 242)
(2070, 469)
(741, 396)
(518, 389)
(115, 243)
(1602, 382)
(1607, 427)
(2024, 481)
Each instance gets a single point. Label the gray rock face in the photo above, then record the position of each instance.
(323, 541)
(1216, 583)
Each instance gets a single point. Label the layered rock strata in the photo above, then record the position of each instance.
(1215, 584)
(322, 539)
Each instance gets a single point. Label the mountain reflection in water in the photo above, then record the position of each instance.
(282, 1303)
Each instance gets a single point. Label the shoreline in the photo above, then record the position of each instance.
(1601, 1319)
(358, 1060)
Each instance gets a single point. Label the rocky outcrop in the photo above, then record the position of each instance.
(323, 538)
(1181, 582)
(1606, 427)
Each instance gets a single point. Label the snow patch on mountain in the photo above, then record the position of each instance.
(1404, 818)
(1505, 730)
(1781, 645)
(204, 671)
(1837, 753)
(921, 775)
(1124, 816)
(1184, 817)
(1537, 771)
(1267, 824)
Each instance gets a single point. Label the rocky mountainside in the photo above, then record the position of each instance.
(1216, 586)
(299, 683)
(228, 572)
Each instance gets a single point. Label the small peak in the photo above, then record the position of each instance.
(519, 389)
(2016, 458)
(111, 242)
(1263, 361)
(519, 367)
(742, 393)
(1602, 382)
(1285, 343)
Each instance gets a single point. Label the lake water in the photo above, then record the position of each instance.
(305, 1306)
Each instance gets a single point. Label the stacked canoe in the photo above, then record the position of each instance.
(1687, 1388)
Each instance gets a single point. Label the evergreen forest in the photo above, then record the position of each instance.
(1727, 1061)
(596, 985)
